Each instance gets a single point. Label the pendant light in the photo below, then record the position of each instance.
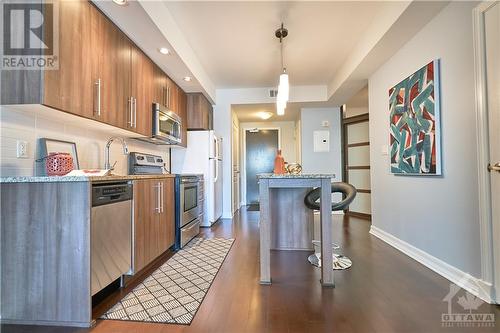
(284, 86)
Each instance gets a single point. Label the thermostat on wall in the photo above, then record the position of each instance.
(321, 141)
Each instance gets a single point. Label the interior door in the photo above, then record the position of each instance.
(492, 61)
(261, 149)
(357, 163)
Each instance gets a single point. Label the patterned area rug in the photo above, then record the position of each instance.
(174, 292)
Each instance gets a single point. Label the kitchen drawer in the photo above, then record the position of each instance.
(190, 231)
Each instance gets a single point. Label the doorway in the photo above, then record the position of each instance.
(260, 150)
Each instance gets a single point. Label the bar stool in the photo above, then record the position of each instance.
(311, 202)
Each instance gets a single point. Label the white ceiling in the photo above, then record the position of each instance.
(235, 42)
(250, 112)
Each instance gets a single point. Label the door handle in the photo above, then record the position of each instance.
(494, 167)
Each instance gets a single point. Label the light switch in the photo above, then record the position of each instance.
(321, 141)
(384, 150)
(325, 123)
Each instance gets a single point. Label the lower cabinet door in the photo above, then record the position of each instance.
(154, 219)
(167, 216)
(146, 194)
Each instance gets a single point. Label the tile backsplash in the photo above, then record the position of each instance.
(29, 123)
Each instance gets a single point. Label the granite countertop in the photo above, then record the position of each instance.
(54, 179)
(299, 176)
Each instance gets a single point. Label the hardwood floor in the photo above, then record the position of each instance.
(384, 291)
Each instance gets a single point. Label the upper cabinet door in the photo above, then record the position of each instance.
(142, 92)
(70, 87)
(159, 87)
(183, 114)
(199, 112)
(111, 73)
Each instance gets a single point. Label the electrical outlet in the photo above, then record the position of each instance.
(22, 149)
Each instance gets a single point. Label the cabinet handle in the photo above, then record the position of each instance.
(157, 207)
(168, 97)
(135, 112)
(130, 102)
(161, 196)
(98, 89)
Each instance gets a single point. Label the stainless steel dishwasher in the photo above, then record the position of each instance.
(111, 233)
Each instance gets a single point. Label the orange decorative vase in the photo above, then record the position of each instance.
(279, 164)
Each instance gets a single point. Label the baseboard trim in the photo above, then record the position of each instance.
(475, 286)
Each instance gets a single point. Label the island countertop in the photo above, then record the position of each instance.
(297, 176)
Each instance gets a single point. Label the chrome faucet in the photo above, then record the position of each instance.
(107, 165)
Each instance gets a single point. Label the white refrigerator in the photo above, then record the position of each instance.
(203, 156)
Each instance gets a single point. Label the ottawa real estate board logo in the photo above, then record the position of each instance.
(464, 310)
(30, 32)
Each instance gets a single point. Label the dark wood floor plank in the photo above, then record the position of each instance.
(384, 291)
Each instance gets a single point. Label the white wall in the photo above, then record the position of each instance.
(322, 162)
(355, 111)
(438, 215)
(90, 137)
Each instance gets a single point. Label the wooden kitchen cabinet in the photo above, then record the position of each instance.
(102, 75)
(154, 219)
(142, 92)
(69, 88)
(111, 72)
(183, 115)
(159, 87)
(199, 112)
(166, 223)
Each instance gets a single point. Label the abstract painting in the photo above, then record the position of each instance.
(415, 147)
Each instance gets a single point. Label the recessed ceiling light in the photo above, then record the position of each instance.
(121, 2)
(264, 115)
(164, 50)
(187, 78)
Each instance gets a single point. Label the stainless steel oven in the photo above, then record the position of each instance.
(189, 191)
(188, 208)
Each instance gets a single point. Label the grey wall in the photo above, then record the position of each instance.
(438, 215)
(324, 162)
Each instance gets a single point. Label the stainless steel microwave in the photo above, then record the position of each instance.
(166, 127)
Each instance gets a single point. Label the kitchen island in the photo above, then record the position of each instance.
(269, 185)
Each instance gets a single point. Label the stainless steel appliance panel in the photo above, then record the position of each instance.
(189, 203)
(190, 231)
(111, 234)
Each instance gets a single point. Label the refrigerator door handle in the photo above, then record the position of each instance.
(216, 148)
(216, 167)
